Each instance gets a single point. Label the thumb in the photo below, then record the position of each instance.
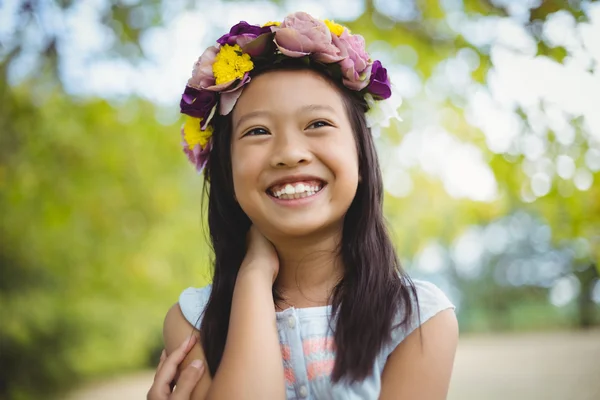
(187, 381)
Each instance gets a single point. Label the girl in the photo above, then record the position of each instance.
(308, 299)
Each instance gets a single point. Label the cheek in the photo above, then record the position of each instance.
(342, 157)
(240, 174)
(245, 173)
(342, 160)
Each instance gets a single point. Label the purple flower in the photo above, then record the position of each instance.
(197, 103)
(379, 86)
(263, 44)
(300, 35)
(356, 66)
(242, 33)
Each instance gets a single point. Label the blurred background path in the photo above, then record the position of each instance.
(549, 366)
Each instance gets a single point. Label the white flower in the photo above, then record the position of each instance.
(381, 112)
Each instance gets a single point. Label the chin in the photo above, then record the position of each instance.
(301, 227)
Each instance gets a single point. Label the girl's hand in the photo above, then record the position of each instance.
(260, 254)
(167, 370)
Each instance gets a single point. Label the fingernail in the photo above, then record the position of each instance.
(197, 364)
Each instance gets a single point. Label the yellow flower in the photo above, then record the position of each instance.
(193, 135)
(231, 63)
(336, 29)
(271, 23)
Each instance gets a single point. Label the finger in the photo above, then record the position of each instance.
(163, 357)
(158, 393)
(168, 370)
(187, 380)
(154, 394)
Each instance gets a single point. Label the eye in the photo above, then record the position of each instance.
(256, 132)
(319, 124)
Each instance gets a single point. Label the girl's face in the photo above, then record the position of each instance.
(294, 158)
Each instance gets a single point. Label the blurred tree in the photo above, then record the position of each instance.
(94, 235)
(429, 27)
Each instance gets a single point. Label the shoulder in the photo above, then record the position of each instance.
(181, 318)
(420, 362)
(177, 330)
(420, 367)
(192, 302)
(429, 301)
(185, 314)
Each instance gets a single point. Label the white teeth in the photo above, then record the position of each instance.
(299, 191)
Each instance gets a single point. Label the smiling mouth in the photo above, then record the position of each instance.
(291, 191)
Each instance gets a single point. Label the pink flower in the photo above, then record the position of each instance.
(300, 35)
(202, 75)
(356, 66)
(230, 96)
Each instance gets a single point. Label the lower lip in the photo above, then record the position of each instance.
(297, 202)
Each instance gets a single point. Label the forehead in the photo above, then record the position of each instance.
(286, 91)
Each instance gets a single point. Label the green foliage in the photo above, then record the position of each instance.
(102, 221)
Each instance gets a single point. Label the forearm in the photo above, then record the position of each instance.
(251, 367)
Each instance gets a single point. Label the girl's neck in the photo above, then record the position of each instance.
(309, 268)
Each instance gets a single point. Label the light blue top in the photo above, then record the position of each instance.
(307, 345)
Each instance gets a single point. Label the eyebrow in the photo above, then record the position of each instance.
(317, 107)
(304, 109)
(250, 115)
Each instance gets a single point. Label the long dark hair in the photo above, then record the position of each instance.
(374, 289)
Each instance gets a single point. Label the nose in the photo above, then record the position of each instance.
(290, 150)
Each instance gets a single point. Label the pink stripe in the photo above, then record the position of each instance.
(285, 352)
(318, 369)
(290, 378)
(317, 345)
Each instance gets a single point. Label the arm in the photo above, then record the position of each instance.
(421, 369)
(251, 367)
(176, 329)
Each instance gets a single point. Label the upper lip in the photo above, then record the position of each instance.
(295, 178)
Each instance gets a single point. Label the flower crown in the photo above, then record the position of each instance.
(221, 72)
